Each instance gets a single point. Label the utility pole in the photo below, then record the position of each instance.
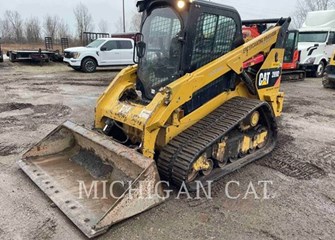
(124, 17)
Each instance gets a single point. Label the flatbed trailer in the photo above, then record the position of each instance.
(33, 55)
(131, 35)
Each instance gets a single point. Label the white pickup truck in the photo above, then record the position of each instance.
(103, 52)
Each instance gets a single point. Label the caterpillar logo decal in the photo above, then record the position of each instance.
(268, 77)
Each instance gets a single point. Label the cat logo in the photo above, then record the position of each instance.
(264, 79)
(268, 77)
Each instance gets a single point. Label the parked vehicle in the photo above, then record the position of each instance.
(33, 55)
(103, 52)
(131, 35)
(290, 69)
(317, 41)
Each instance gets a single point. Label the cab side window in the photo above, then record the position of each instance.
(124, 44)
(110, 45)
(214, 37)
(290, 47)
(331, 38)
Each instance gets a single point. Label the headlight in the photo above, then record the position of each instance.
(310, 60)
(76, 55)
(181, 4)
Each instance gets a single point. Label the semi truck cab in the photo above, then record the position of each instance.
(317, 41)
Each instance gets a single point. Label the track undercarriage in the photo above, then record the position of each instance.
(239, 132)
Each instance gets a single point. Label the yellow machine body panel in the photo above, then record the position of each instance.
(152, 118)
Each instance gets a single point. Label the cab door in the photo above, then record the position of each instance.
(109, 53)
(291, 56)
(330, 46)
(126, 50)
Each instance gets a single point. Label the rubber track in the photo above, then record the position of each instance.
(286, 76)
(177, 157)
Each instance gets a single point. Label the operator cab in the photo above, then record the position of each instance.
(180, 36)
(291, 47)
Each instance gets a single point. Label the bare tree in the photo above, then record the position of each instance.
(305, 6)
(6, 31)
(14, 23)
(63, 30)
(119, 25)
(103, 26)
(50, 25)
(135, 22)
(33, 32)
(83, 19)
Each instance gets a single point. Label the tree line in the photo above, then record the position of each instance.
(15, 29)
(305, 6)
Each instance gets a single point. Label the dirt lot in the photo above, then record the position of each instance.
(35, 99)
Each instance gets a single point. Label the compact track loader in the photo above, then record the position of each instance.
(290, 68)
(199, 104)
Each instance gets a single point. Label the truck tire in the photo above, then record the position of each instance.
(12, 57)
(320, 70)
(88, 65)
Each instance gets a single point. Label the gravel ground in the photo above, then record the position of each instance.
(301, 202)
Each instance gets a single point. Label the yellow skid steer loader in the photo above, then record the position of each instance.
(199, 104)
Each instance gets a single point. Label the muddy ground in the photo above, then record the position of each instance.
(36, 99)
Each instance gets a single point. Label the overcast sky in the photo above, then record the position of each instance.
(111, 10)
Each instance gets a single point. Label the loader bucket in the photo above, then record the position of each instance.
(94, 180)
